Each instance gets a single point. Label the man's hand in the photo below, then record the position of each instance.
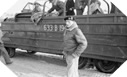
(57, 13)
(81, 7)
(74, 55)
(64, 55)
(71, 9)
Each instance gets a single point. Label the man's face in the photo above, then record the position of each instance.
(69, 23)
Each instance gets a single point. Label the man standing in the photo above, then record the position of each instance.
(95, 8)
(80, 5)
(3, 51)
(70, 7)
(58, 6)
(74, 44)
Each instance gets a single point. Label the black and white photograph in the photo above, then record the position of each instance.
(63, 38)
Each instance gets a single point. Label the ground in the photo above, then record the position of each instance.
(45, 65)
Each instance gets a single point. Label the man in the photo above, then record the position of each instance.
(74, 45)
(70, 7)
(58, 6)
(95, 7)
(80, 5)
(37, 7)
(3, 51)
(36, 13)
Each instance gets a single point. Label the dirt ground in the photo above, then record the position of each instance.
(45, 65)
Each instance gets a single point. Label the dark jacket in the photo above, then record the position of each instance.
(70, 7)
(74, 42)
(58, 7)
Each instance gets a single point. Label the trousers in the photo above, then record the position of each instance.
(72, 66)
(4, 54)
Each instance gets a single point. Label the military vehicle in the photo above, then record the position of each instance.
(106, 35)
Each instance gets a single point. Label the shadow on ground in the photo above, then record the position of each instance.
(49, 58)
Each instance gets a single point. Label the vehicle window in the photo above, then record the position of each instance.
(45, 4)
(28, 8)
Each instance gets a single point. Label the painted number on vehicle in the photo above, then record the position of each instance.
(54, 27)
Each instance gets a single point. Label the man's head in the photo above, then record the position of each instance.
(37, 4)
(69, 21)
(50, 0)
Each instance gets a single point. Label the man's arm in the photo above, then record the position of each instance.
(50, 10)
(1, 35)
(82, 43)
(61, 5)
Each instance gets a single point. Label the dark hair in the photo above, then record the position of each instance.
(69, 18)
(50, 0)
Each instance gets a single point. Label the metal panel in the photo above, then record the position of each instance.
(106, 35)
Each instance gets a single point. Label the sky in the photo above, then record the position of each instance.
(13, 6)
(20, 4)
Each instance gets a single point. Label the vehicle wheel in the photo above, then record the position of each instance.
(106, 66)
(31, 52)
(83, 62)
(11, 51)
